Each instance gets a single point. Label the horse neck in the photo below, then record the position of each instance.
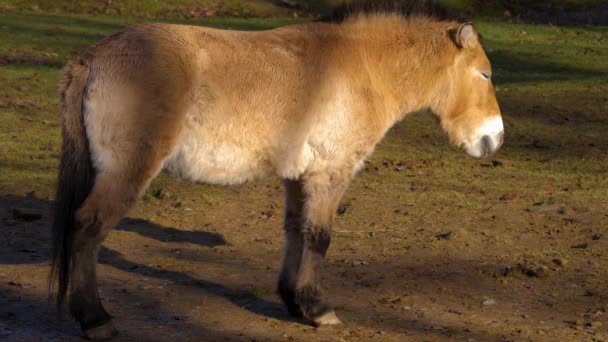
(407, 64)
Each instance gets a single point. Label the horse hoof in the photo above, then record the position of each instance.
(102, 332)
(328, 318)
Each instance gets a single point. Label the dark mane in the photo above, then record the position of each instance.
(405, 8)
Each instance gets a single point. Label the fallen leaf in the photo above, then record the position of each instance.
(508, 196)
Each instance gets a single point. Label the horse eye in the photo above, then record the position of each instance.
(486, 75)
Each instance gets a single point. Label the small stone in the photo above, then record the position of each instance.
(261, 239)
(400, 167)
(488, 302)
(359, 263)
(444, 236)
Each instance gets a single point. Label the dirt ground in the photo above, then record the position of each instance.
(202, 267)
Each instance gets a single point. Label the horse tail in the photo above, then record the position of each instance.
(76, 172)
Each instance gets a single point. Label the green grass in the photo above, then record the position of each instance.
(551, 83)
(57, 37)
(149, 8)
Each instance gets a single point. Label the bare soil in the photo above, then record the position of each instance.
(193, 267)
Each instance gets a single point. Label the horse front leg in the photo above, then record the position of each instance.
(311, 205)
(294, 242)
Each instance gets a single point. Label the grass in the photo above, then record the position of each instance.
(551, 82)
(149, 8)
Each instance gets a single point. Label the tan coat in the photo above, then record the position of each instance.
(232, 106)
(306, 102)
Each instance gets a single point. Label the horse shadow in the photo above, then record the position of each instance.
(26, 223)
(242, 297)
(28, 241)
(170, 234)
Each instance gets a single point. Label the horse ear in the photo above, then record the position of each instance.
(467, 36)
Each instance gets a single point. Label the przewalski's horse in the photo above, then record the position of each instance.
(307, 102)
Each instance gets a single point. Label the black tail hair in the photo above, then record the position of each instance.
(76, 175)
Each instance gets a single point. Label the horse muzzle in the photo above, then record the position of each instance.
(491, 138)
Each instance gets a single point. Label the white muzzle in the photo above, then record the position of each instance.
(487, 139)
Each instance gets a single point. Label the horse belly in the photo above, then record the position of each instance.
(203, 157)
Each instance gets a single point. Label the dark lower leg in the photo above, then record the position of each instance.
(84, 302)
(289, 272)
(309, 291)
(104, 207)
(293, 246)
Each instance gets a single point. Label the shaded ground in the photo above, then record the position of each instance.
(430, 244)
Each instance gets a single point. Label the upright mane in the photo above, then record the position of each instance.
(404, 8)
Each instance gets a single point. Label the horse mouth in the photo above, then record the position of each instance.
(486, 146)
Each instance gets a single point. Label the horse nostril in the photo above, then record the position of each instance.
(486, 146)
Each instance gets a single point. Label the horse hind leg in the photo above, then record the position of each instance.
(113, 194)
(111, 197)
